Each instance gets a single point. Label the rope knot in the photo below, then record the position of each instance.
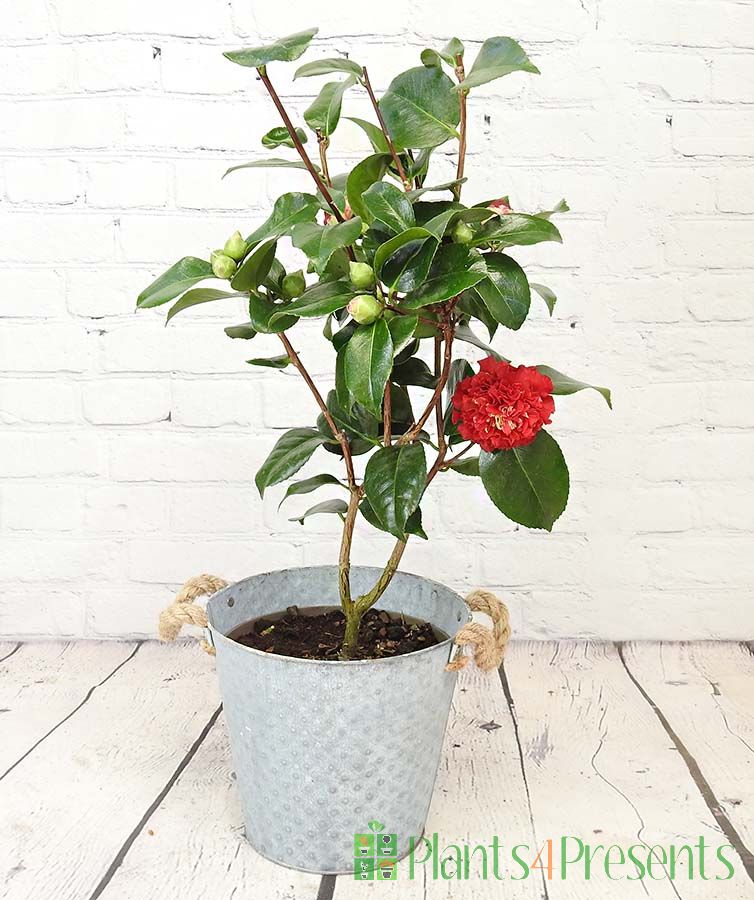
(183, 611)
(488, 644)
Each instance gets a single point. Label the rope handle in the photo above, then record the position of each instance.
(183, 611)
(488, 644)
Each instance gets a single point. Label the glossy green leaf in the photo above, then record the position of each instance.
(528, 484)
(193, 298)
(336, 507)
(327, 66)
(454, 269)
(560, 207)
(324, 113)
(414, 372)
(323, 298)
(498, 56)
(448, 54)
(357, 423)
(547, 294)
(362, 176)
(172, 283)
(307, 485)
(319, 242)
(564, 384)
(403, 262)
(271, 362)
(373, 132)
(517, 229)
(285, 49)
(389, 205)
(505, 290)
(274, 163)
(469, 465)
(288, 455)
(401, 331)
(394, 483)
(268, 317)
(368, 361)
(255, 268)
(289, 210)
(244, 332)
(420, 108)
(413, 524)
(280, 137)
(436, 188)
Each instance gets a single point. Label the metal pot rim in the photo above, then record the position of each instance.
(216, 635)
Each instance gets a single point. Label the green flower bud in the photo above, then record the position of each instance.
(365, 309)
(462, 234)
(294, 285)
(362, 275)
(235, 246)
(223, 266)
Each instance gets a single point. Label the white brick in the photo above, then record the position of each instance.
(32, 293)
(60, 237)
(55, 453)
(59, 560)
(115, 65)
(718, 297)
(42, 612)
(131, 612)
(733, 78)
(715, 132)
(79, 17)
(155, 239)
(673, 76)
(37, 507)
(42, 181)
(115, 508)
(200, 69)
(288, 401)
(705, 24)
(715, 243)
(215, 510)
(127, 183)
(116, 401)
(96, 293)
(214, 403)
(85, 122)
(26, 21)
(44, 348)
(729, 404)
(199, 185)
(735, 190)
(45, 401)
(37, 69)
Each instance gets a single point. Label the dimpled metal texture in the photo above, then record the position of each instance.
(322, 748)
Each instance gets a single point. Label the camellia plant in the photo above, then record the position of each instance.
(395, 262)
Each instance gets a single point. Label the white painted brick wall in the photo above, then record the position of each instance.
(128, 450)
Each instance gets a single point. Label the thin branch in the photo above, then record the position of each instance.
(391, 146)
(387, 415)
(344, 565)
(298, 145)
(439, 418)
(462, 94)
(340, 437)
(436, 398)
(368, 600)
(324, 143)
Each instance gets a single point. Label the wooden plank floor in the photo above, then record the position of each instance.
(115, 778)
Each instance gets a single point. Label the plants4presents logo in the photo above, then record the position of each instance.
(375, 854)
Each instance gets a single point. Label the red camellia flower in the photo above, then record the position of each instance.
(503, 406)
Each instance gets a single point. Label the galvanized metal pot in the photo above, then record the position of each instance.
(320, 748)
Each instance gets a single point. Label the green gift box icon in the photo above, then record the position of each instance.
(363, 845)
(387, 844)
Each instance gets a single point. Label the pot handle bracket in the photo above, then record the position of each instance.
(183, 611)
(488, 643)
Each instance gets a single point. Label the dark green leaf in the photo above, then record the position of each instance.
(505, 290)
(401, 331)
(245, 332)
(446, 186)
(324, 113)
(453, 270)
(517, 229)
(285, 49)
(326, 67)
(498, 56)
(368, 361)
(268, 317)
(414, 372)
(178, 278)
(431, 57)
(255, 268)
(452, 49)
(273, 281)
(358, 424)
(413, 525)
(387, 204)
(307, 485)
(290, 453)
(320, 242)
(362, 177)
(527, 484)
(546, 294)
(198, 295)
(375, 135)
(420, 108)
(394, 482)
(403, 262)
(280, 137)
(564, 384)
(289, 210)
(269, 164)
(320, 300)
(467, 466)
(272, 362)
(338, 507)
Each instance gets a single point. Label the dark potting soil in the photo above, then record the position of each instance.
(317, 633)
